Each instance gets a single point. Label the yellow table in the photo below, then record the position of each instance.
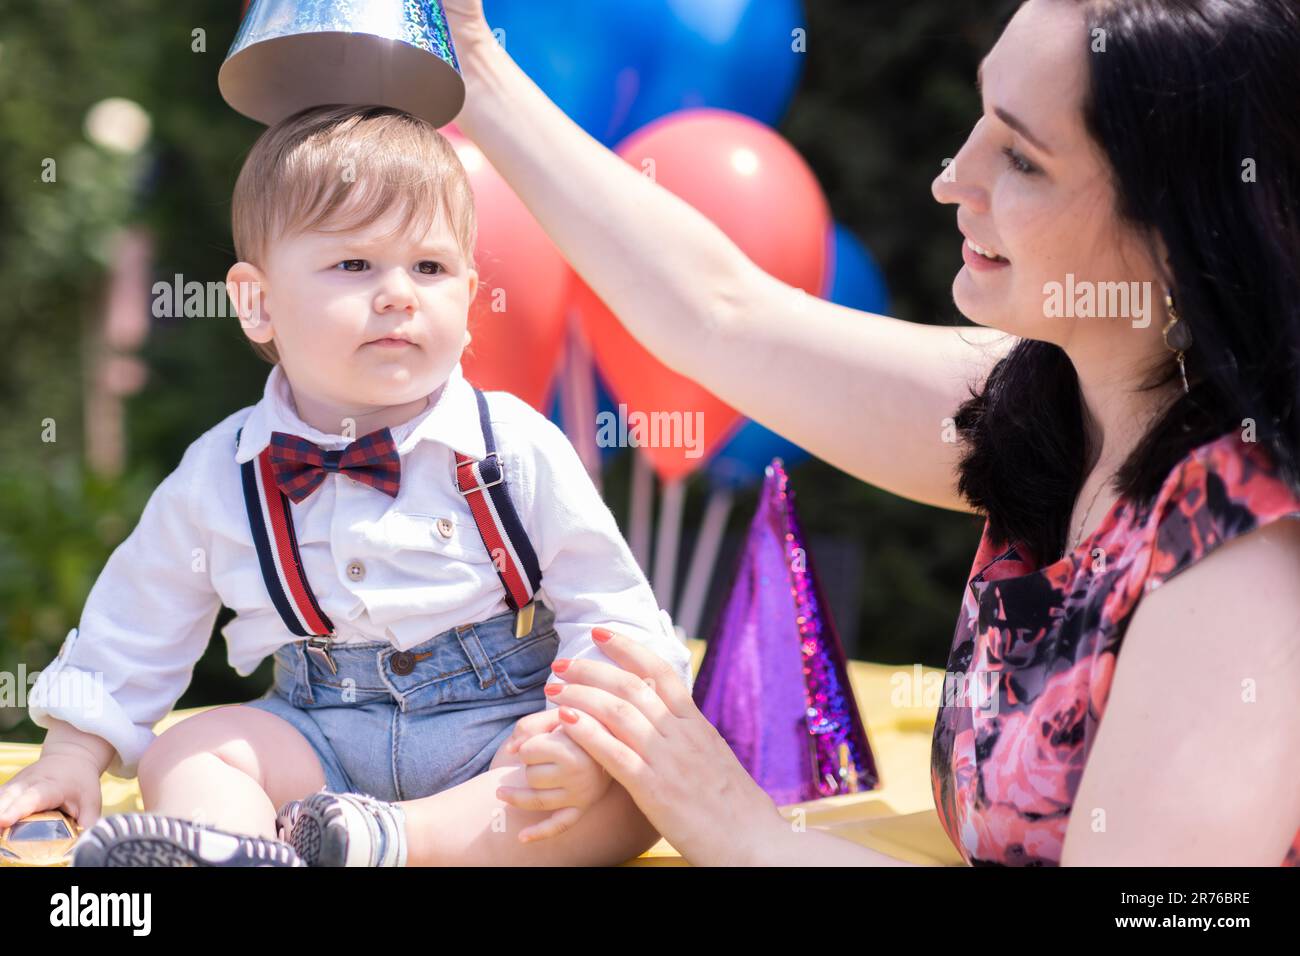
(897, 818)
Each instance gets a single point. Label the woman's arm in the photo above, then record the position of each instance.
(867, 393)
(789, 847)
(639, 722)
(1197, 759)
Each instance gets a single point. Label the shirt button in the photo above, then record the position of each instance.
(444, 527)
(356, 571)
(402, 663)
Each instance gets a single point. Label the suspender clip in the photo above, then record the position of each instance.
(319, 648)
(524, 620)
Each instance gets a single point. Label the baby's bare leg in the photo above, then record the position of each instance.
(231, 768)
(468, 826)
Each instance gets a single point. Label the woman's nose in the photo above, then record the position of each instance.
(961, 181)
(956, 186)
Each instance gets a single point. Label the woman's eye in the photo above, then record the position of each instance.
(434, 267)
(1018, 162)
(348, 263)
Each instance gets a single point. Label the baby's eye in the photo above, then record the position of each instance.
(434, 267)
(346, 263)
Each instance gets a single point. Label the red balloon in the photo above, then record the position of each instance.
(757, 189)
(517, 321)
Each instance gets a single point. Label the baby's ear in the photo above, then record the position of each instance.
(247, 294)
(473, 285)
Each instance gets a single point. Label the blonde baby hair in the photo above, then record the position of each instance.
(339, 168)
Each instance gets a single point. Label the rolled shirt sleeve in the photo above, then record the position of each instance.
(589, 576)
(145, 624)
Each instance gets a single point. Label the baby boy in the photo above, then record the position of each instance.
(413, 552)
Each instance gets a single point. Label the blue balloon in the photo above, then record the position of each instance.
(853, 278)
(739, 55)
(740, 462)
(588, 56)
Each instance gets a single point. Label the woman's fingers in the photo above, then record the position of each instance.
(464, 13)
(652, 685)
(625, 719)
(626, 766)
(615, 681)
(648, 665)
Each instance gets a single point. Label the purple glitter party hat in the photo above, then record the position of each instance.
(773, 680)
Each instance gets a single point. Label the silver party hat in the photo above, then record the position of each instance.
(292, 54)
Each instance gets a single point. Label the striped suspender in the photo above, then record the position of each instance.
(271, 520)
(483, 485)
(481, 482)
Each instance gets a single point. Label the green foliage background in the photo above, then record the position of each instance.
(887, 94)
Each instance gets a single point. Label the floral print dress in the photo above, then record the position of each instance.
(1004, 769)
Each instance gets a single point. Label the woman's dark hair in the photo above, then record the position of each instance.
(1196, 104)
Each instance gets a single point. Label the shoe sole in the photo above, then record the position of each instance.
(153, 840)
(319, 836)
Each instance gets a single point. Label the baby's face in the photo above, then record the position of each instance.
(362, 319)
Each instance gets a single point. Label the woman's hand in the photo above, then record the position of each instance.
(640, 723)
(468, 25)
(479, 55)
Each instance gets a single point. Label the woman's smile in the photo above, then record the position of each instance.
(978, 261)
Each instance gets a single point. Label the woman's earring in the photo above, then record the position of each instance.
(1178, 337)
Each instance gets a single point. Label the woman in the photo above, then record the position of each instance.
(1116, 440)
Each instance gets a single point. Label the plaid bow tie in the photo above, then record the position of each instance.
(300, 465)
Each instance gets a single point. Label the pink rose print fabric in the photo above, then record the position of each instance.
(1044, 640)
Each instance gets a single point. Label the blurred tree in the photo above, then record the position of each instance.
(63, 199)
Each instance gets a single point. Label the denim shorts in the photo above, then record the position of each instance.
(404, 726)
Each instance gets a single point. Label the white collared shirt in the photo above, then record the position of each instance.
(423, 566)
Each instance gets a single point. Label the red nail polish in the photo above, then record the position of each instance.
(568, 716)
(560, 665)
(601, 634)
(553, 689)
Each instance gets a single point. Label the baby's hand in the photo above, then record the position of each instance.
(52, 782)
(561, 775)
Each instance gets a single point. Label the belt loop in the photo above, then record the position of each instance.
(304, 673)
(478, 658)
